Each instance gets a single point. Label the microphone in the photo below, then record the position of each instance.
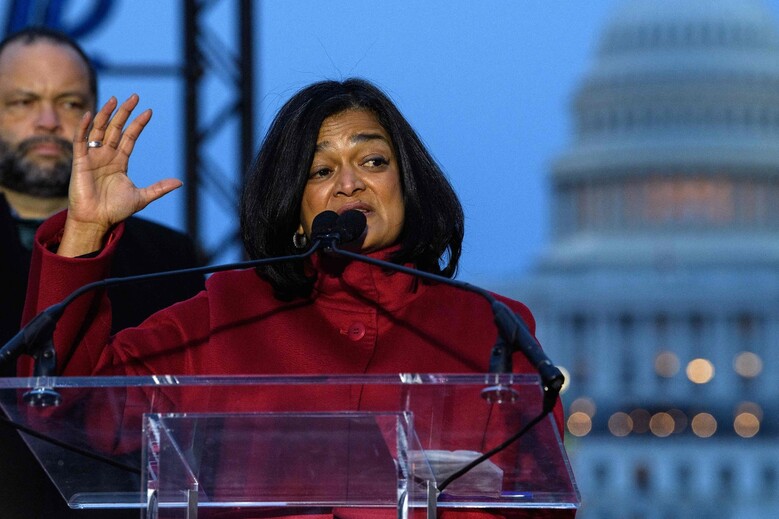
(513, 333)
(344, 228)
(350, 226)
(35, 339)
(322, 225)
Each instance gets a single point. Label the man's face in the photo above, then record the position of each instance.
(44, 92)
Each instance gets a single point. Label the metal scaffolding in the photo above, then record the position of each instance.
(206, 54)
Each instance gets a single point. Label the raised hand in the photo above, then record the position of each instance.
(101, 194)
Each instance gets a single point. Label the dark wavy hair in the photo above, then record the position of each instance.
(32, 34)
(432, 236)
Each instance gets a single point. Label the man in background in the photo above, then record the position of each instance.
(47, 83)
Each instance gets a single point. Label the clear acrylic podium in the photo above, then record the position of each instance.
(258, 446)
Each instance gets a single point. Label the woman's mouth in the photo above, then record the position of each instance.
(356, 206)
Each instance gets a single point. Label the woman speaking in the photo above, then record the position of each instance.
(334, 146)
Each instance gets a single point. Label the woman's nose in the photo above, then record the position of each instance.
(349, 181)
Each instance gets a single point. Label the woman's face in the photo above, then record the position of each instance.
(354, 167)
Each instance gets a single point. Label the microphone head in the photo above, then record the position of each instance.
(350, 225)
(323, 223)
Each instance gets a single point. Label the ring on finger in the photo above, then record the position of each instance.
(94, 144)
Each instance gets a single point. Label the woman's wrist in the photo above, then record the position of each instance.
(81, 238)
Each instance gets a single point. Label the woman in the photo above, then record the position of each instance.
(333, 146)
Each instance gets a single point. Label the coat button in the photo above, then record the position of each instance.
(356, 331)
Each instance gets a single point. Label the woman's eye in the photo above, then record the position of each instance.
(320, 173)
(376, 162)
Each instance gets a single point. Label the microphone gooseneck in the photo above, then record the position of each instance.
(329, 231)
(513, 332)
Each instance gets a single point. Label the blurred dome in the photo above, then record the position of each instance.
(676, 135)
(680, 80)
(657, 26)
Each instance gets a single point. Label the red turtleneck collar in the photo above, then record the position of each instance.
(343, 282)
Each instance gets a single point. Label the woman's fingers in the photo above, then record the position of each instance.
(113, 133)
(100, 123)
(133, 131)
(80, 136)
(97, 185)
(116, 141)
(157, 190)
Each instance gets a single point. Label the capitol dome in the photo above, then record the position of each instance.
(662, 277)
(676, 145)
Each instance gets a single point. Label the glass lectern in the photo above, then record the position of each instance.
(253, 446)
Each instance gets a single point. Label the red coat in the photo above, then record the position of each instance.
(357, 320)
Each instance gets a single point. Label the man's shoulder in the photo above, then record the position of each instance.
(136, 225)
(155, 244)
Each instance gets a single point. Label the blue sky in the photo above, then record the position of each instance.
(487, 84)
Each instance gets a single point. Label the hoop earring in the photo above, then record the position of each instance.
(299, 241)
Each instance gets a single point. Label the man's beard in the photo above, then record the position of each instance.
(23, 174)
